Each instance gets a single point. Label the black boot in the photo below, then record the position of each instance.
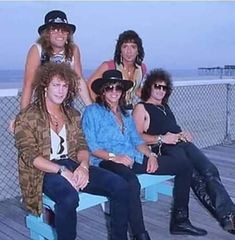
(142, 236)
(212, 194)
(198, 185)
(228, 223)
(180, 224)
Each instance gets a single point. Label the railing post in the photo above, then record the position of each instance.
(227, 137)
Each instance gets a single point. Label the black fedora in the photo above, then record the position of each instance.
(56, 17)
(110, 76)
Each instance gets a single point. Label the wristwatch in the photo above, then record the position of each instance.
(61, 169)
(153, 154)
(111, 156)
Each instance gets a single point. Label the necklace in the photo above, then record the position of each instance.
(129, 73)
(55, 121)
(161, 108)
(119, 121)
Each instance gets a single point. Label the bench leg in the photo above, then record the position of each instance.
(38, 229)
(165, 188)
(151, 192)
(106, 207)
(35, 236)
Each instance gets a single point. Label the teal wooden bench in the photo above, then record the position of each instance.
(152, 185)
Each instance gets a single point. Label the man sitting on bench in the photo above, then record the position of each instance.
(157, 124)
(53, 158)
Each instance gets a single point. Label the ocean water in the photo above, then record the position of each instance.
(14, 78)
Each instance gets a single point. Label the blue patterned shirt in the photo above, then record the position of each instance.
(102, 132)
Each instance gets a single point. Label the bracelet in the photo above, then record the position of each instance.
(111, 156)
(85, 167)
(61, 170)
(159, 140)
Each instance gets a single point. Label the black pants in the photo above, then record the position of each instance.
(167, 166)
(215, 189)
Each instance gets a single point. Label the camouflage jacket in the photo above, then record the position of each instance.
(32, 135)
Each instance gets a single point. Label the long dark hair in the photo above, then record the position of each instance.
(154, 76)
(125, 37)
(100, 99)
(42, 79)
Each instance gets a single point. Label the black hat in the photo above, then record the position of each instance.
(110, 76)
(56, 17)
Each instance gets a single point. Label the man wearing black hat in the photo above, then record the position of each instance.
(116, 145)
(55, 44)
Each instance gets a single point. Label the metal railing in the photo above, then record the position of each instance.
(205, 108)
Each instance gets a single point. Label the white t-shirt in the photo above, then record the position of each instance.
(58, 144)
(57, 58)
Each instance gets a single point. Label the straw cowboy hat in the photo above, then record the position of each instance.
(56, 17)
(110, 76)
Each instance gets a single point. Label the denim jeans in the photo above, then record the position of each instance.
(215, 189)
(167, 166)
(101, 182)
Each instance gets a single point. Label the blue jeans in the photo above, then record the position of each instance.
(101, 182)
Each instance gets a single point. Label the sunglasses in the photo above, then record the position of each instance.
(111, 88)
(57, 28)
(160, 87)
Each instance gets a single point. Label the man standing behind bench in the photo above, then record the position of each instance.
(116, 146)
(53, 158)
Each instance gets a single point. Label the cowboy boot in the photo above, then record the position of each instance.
(180, 224)
(224, 208)
(228, 222)
(198, 185)
(142, 236)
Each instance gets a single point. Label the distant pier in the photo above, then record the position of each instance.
(227, 70)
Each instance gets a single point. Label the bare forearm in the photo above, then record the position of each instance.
(102, 154)
(83, 158)
(143, 148)
(108, 156)
(84, 92)
(150, 139)
(45, 165)
(26, 97)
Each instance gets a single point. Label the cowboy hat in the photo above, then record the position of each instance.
(110, 76)
(56, 17)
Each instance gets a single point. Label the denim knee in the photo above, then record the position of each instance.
(70, 201)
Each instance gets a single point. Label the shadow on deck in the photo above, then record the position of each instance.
(92, 224)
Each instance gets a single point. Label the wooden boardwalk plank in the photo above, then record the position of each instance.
(92, 222)
(13, 229)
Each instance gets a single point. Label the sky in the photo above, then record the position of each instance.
(175, 34)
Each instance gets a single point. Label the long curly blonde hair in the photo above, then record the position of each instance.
(44, 76)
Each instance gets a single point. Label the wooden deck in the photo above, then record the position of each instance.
(92, 224)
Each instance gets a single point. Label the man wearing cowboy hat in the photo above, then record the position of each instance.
(56, 18)
(55, 44)
(116, 145)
